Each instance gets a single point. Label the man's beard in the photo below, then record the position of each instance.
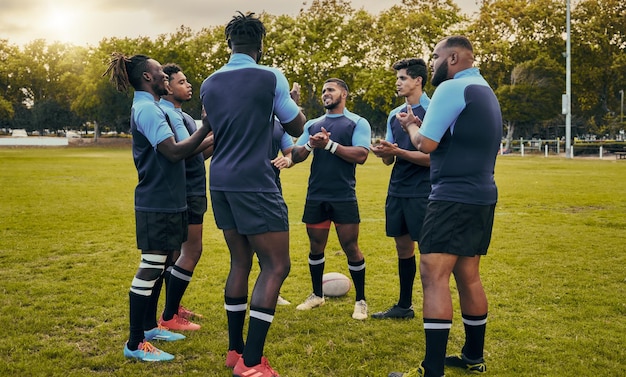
(331, 105)
(440, 75)
(162, 91)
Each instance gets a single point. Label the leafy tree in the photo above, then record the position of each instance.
(410, 29)
(598, 58)
(518, 45)
(532, 97)
(7, 91)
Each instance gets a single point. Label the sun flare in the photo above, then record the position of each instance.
(60, 23)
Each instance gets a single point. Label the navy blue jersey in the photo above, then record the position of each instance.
(241, 100)
(408, 180)
(161, 186)
(194, 165)
(464, 117)
(333, 178)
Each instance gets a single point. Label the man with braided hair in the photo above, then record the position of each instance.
(160, 200)
(241, 99)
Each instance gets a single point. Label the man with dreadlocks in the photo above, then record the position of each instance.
(160, 195)
(241, 99)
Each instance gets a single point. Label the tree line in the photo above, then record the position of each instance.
(519, 47)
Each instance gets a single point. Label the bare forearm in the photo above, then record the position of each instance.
(175, 152)
(299, 154)
(354, 155)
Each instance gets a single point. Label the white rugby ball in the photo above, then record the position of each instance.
(335, 284)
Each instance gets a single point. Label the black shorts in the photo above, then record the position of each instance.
(316, 211)
(196, 208)
(457, 228)
(404, 216)
(250, 212)
(160, 231)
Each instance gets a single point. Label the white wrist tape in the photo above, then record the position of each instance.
(333, 149)
(308, 146)
(328, 145)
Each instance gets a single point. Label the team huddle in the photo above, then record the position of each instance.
(441, 193)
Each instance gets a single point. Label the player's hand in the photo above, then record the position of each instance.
(320, 139)
(295, 93)
(282, 162)
(205, 120)
(407, 119)
(384, 149)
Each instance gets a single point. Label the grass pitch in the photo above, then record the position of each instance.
(554, 275)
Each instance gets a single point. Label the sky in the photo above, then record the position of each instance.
(86, 22)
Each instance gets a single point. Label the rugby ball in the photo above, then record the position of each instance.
(335, 284)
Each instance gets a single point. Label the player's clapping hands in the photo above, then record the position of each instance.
(320, 139)
(408, 118)
(384, 149)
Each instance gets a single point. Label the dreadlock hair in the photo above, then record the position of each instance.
(339, 82)
(244, 30)
(170, 68)
(414, 67)
(125, 72)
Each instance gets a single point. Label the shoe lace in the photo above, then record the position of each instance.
(266, 364)
(362, 307)
(162, 328)
(181, 320)
(312, 297)
(147, 347)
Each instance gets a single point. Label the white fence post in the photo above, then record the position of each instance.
(600, 152)
(521, 149)
(558, 147)
(545, 147)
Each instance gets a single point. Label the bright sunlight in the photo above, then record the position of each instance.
(60, 23)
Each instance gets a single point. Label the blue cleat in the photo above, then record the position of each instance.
(162, 333)
(147, 352)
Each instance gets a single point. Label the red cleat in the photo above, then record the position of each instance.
(260, 370)
(232, 357)
(179, 324)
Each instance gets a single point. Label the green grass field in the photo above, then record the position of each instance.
(554, 275)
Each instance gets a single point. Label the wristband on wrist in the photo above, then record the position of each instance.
(289, 162)
(308, 146)
(333, 149)
(328, 145)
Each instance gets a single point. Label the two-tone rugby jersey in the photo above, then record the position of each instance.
(161, 186)
(408, 180)
(333, 178)
(464, 117)
(240, 100)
